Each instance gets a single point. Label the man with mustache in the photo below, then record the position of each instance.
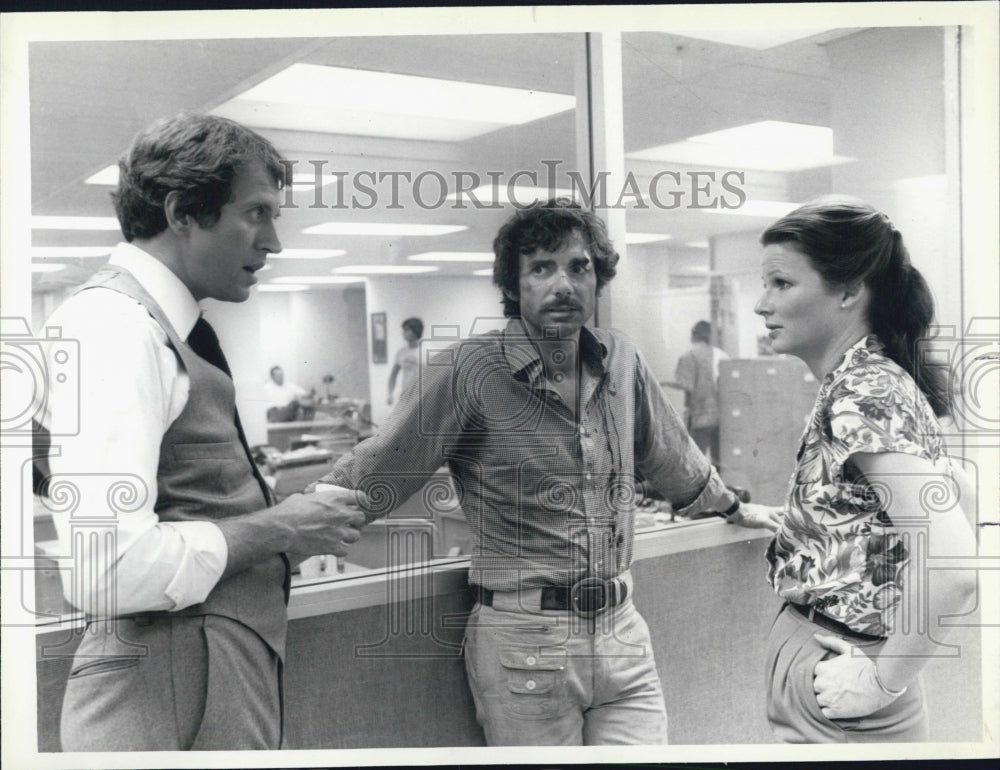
(543, 426)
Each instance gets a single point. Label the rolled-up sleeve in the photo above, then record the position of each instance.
(409, 447)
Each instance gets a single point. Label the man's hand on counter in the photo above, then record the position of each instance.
(757, 516)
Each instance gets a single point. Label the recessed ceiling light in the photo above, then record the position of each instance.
(637, 238)
(767, 209)
(484, 271)
(106, 176)
(109, 176)
(768, 145)
(384, 269)
(308, 279)
(381, 228)
(282, 287)
(452, 256)
(308, 179)
(519, 195)
(71, 252)
(697, 244)
(341, 100)
(74, 223)
(47, 268)
(758, 38)
(307, 254)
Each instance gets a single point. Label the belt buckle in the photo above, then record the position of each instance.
(583, 592)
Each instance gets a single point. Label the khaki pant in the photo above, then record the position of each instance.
(792, 710)
(547, 678)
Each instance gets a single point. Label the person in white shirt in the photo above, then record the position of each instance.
(181, 561)
(285, 400)
(408, 358)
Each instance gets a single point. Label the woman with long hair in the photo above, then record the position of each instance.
(841, 295)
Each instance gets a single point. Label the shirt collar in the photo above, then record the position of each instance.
(525, 362)
(169, 292)
(856, 354)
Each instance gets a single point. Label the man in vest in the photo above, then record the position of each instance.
(543, 426)
(181, 559)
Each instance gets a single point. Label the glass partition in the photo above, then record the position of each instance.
(409, 152)
(724, 133)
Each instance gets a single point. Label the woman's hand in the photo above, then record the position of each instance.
(757, 516)
(847, 686)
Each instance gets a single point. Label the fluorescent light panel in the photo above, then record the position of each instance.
(381, 228)
(309, 279)
(768, 145)
(637, 238)
(268, 287)
(758, 38)
(521, 195)
(341, 100)
(758, 208)
(70, 252)
(307, 254)
(484, 271)
(385, 269)
(106, 176)
(452, 256)
(109, 176)
(74, 223)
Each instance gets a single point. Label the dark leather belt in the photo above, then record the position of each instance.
(815, 616)
(587, 598)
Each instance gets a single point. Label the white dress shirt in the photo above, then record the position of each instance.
(131, 389)
(282, 395)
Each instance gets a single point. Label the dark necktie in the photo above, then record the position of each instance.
(205, 342)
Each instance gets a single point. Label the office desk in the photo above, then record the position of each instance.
(280, 435)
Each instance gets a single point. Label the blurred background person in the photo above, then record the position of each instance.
(841, 295)
(287, 401)
(697, 374)
(408, 357)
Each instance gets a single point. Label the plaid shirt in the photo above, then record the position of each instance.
(549, 496)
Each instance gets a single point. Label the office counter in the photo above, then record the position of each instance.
(374, 658)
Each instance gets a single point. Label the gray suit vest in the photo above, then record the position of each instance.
(204, 474)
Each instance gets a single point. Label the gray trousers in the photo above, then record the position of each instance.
(167, 683)
(792, 710)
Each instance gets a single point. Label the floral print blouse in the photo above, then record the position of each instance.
(836, 548)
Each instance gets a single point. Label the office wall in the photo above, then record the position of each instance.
(889, 112)
(656, 315)
(736, 258)
(472, 304)
(306, 333)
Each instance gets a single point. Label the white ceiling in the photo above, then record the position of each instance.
(89, 98)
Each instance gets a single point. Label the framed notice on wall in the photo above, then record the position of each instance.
(379, 341)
